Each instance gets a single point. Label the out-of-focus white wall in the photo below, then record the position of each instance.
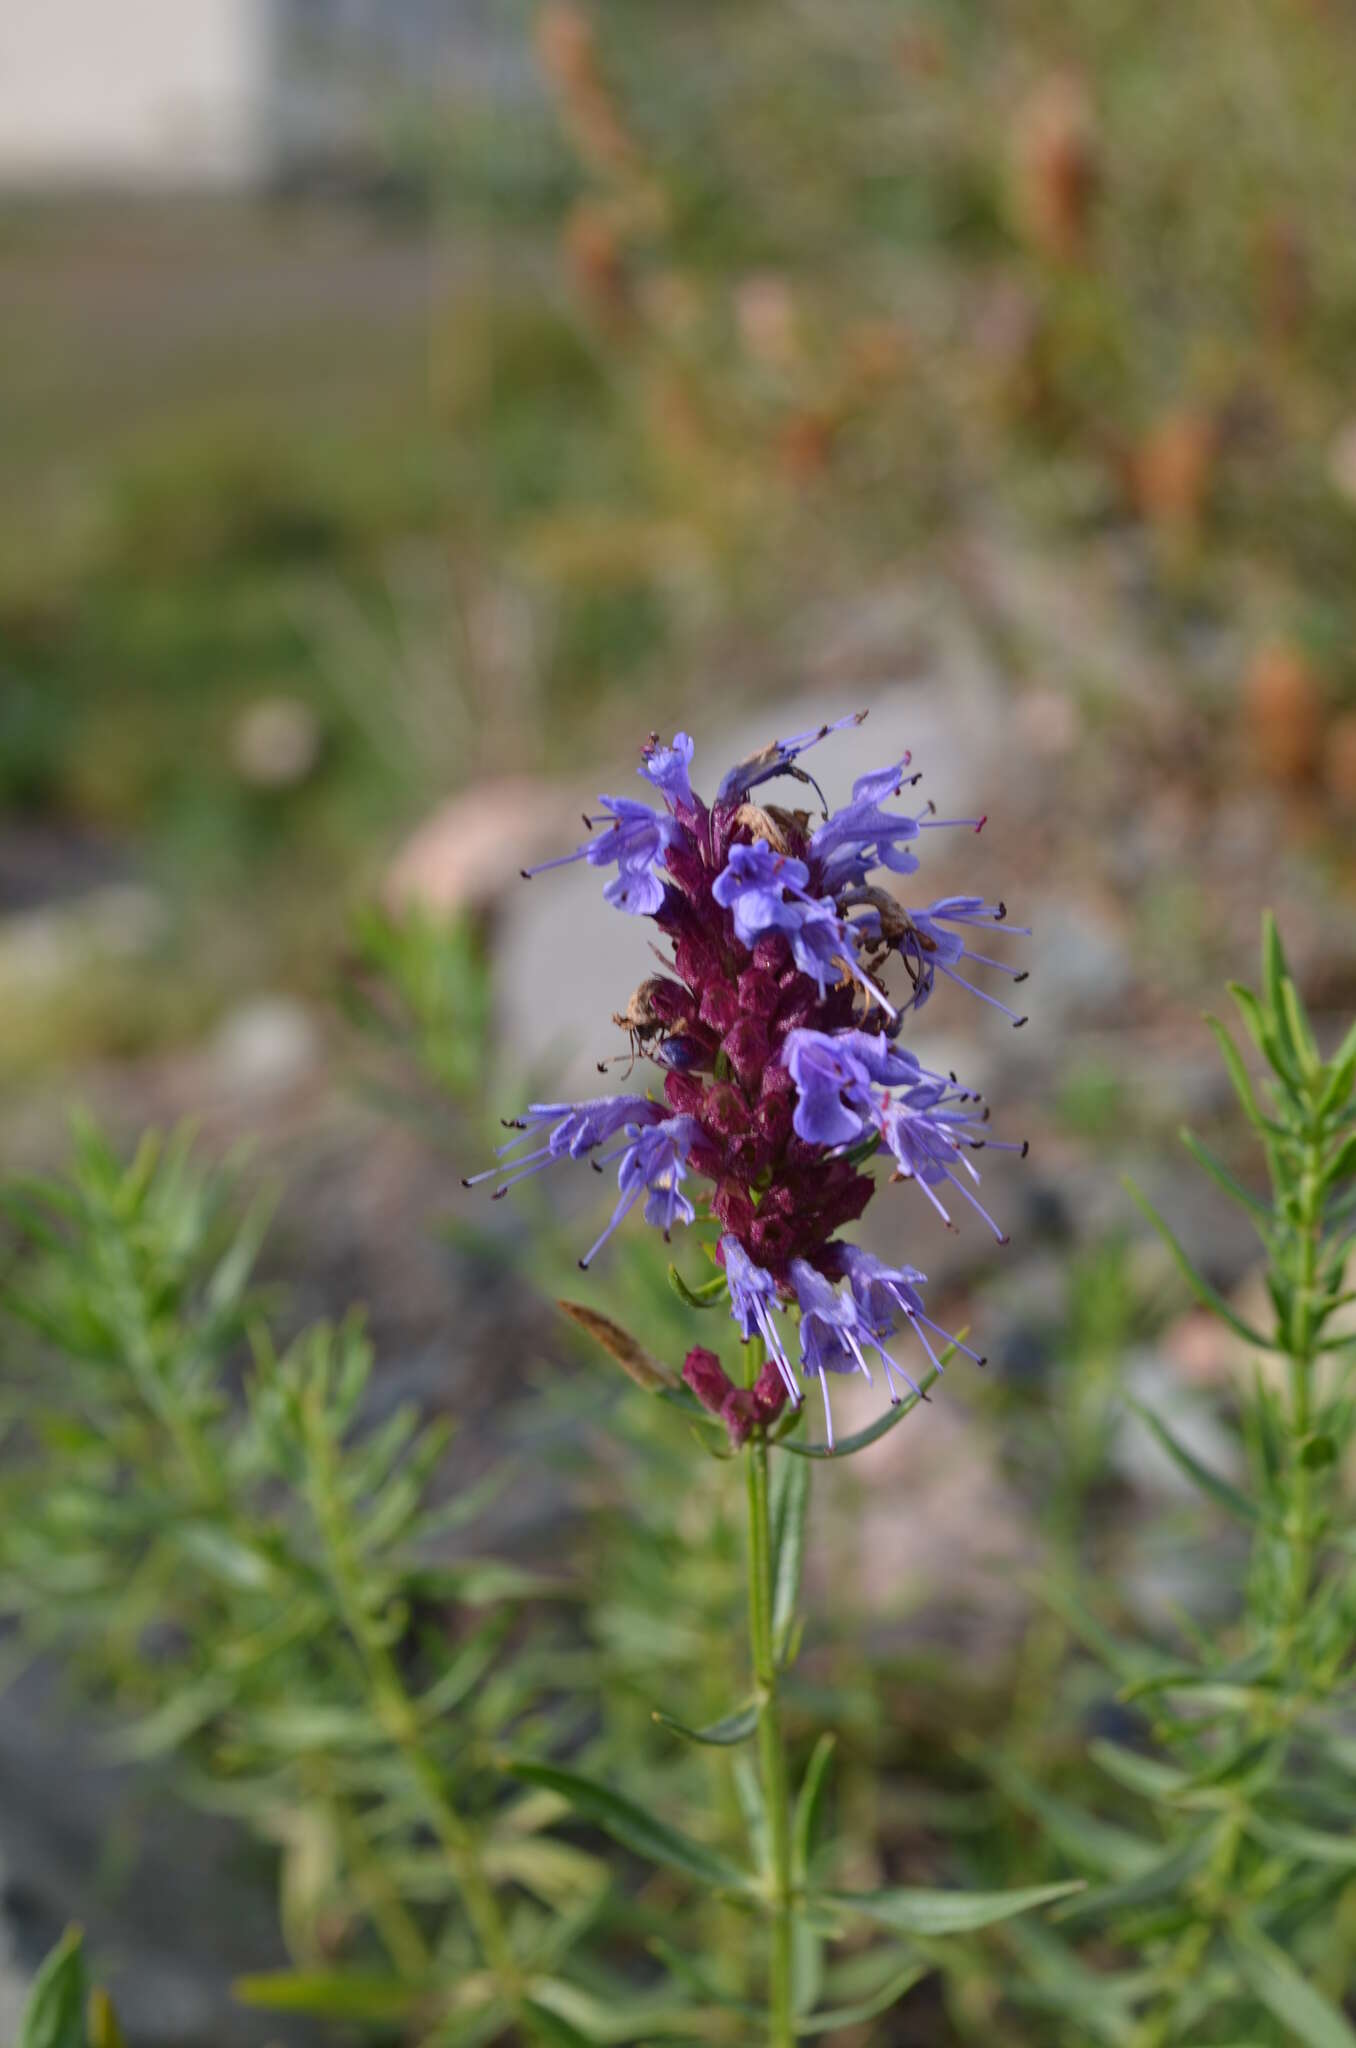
(135, 92)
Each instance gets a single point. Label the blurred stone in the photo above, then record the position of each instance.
(1048, 722)
(1197, 1346)
(264, 1047)
(1339, 760)
(40, 949)
(1283, 709)
(1081, 966)
(1171, 469)
(471, 850)
(1055, 168)
(275, 744)
(1342, 461)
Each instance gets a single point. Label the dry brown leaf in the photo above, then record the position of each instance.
(635, 1361)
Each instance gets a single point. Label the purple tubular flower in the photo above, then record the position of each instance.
(637, 839)
(752, 885)
(765, 891)
(861, 836)
(776, 759)
(930, 949)
(836, 1075)
(665, 767)
(578, 1128)
(931, 1131)
(653, 1164)
(753, 1298)
(881, 1292)
(832, 1332)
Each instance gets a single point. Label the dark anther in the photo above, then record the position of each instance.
(1001, 913)
(596, 1167)
(526, 874)
(1025, 975)
(498, 1194)
(465, 1181)
(1026, 1147)
(1018, 1022)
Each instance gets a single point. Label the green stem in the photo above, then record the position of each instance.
(1301, 1370)
(771, 1756)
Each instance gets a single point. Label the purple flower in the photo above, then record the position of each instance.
(753, 1298)
(577, 1128)
(653, 1164)
(636, 840)
(752, 885)
(765, 891)
(881, 1293)
(929, 949)
(861, 836)
(931, 1131)
(666, 768)
(777, 759)
(833, 1331)
(837, 1074)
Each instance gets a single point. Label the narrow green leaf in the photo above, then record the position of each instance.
(1097, 1845)
(104, 2031)
(708, 1295)
(1162, 1880)
(809, 1800)
(1318, 1452)
(857, 2015)
(552, 2027)
(1340, 1164)
(331, 1994)
(883, 1424)
(55, 2014)
(1341, 1075)
(1218, 1490)
(690, 1973)
(807, 1965)
(694, 1976)
(1274, 968)
(1304, 2013)
(1239, 1075)
(1227, 1182)
(1059, 1981)
(1310, 1845)
(912, 1911)
(789, 1504)
(1264, 1033)
(1208, 1296)
(171, 1724)
(1297, 1029)
(635, 1829)
(618, 2020)
(736, 1727)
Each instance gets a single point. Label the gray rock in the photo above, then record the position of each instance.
(264, 1047)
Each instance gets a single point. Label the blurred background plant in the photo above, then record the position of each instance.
(541, 376)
